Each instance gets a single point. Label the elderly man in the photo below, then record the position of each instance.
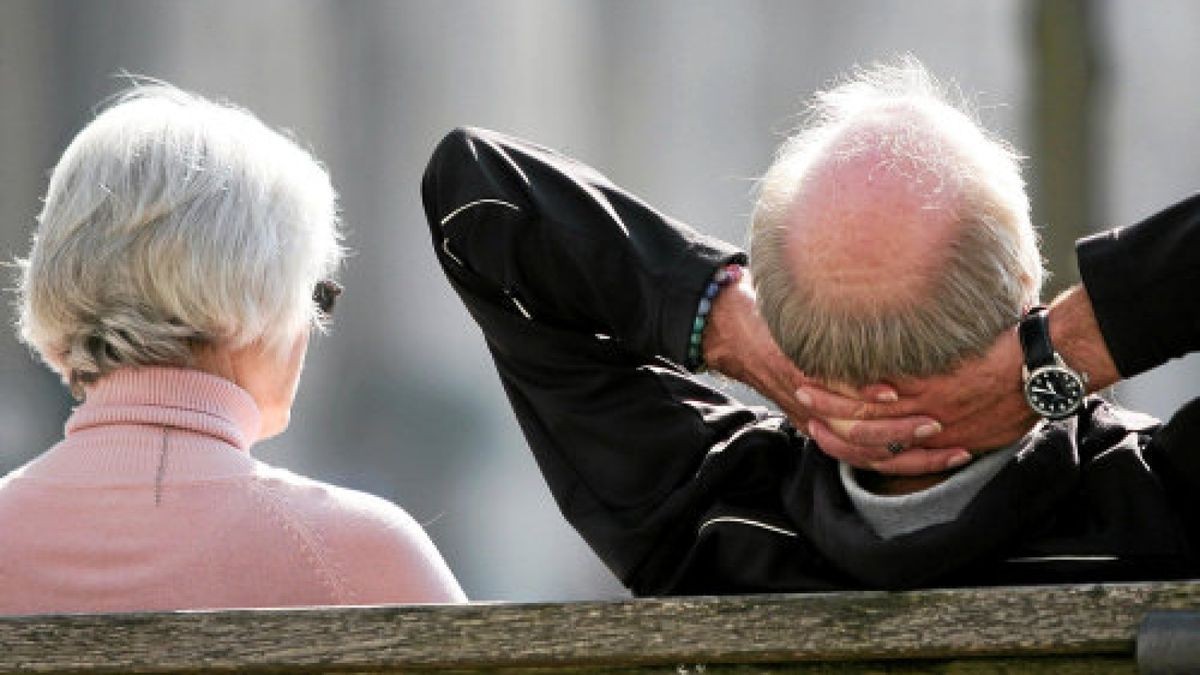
(891, 241)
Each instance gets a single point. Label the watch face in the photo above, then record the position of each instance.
(1054, 392)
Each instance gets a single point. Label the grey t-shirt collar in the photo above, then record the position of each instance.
(892, 516)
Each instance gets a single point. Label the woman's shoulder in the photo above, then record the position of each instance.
(380, 550)
(314, 498)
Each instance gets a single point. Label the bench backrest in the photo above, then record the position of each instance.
(1092, 628)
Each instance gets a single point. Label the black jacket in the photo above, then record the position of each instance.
(586, 297)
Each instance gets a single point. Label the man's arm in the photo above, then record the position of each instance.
(586, 298)
(1136, 309)
(1143, 283)
(564, 246)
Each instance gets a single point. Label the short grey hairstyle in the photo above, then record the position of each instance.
(991, 272)
(172, 223)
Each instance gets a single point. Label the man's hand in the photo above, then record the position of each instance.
(738, 344)
(981, 404)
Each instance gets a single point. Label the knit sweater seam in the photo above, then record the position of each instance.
(310, 542)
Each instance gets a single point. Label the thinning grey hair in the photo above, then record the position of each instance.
(990, 273)
(173, 223)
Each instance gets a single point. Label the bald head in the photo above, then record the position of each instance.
(891, 237)
(867, 232)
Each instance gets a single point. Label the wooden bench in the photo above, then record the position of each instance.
(1063, 629)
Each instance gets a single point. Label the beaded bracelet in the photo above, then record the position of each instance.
(729, 274)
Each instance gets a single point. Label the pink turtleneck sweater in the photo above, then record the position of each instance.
(153, 502)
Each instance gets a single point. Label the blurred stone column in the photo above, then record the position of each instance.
(1066, 157)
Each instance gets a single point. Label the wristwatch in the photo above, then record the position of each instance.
(1052, 389)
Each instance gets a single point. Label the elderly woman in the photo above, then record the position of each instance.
(182, 258)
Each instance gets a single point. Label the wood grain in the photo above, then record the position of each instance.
(1056, 626)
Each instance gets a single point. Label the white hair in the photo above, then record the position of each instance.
(172, 223)
(991, 272)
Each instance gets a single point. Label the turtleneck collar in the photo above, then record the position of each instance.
(179, 398)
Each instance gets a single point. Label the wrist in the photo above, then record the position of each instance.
(724, 337)
(700, 340)
(1077, 337)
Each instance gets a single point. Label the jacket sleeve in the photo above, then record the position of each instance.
(1143, 282)
(586, 298)
(566, 245)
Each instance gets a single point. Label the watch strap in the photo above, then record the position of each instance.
(1034, 333)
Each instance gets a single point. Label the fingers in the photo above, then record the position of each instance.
(841, 388)
(856, 455)
(911, 462)
(918, 461)
(985, 433)
(880, 393)
(908, 431)
(826, 404)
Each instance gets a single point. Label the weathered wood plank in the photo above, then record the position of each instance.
(1075, 665)
(1096, 622)
(1058, 665)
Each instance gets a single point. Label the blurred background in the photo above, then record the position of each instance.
(682, 101)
